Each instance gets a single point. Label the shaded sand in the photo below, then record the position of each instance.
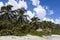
(30, 37)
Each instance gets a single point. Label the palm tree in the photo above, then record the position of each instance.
(35, 22)
(6, 10)
(8, 13)
(21, 15)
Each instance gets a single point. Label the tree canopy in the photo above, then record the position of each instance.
(14, 22)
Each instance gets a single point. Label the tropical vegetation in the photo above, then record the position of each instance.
(14, 22)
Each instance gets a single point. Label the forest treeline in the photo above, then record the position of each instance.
(14, 22)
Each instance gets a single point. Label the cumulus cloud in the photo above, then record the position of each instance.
(40, 11)
(50, 12)
(35, 2)
(56, 21)
(16, 5)
(31, 15)
(48, 19)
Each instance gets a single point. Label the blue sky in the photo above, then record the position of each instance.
(54, 5)
(52, 8)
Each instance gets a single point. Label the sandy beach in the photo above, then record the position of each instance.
(30, 37)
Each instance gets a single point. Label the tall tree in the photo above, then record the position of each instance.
(6, 10)
(21, 15)
(35, 22)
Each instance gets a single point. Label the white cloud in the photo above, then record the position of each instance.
(1, 4)
(31, 15)
(35, 2)
(23, 4)
(48, 19)
(16, 5)
(57, 21)
(46, 7)
(50, 12)
(40, 11)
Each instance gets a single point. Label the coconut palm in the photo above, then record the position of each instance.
(6, 10)
(22, 17)
(35, 22)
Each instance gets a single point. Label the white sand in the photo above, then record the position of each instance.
(29, 37)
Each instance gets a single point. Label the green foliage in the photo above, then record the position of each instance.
(19, 25)
(36, 33)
